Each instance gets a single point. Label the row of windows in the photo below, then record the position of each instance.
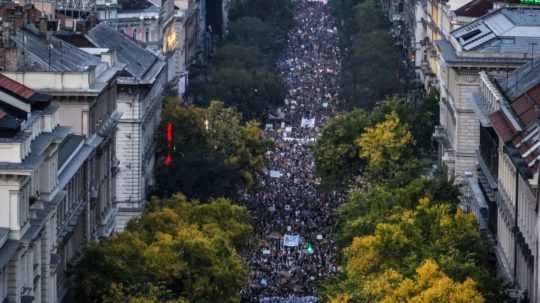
(136, 34)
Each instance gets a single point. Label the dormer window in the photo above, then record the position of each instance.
(468, 36)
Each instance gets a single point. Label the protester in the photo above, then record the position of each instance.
(293, 220)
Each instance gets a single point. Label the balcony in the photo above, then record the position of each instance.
(475, 202)
(490, 97)
(440, 135)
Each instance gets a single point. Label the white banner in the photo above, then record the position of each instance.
(275, 174)
(291, 240)
(308, 122)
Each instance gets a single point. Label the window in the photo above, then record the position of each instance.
(470, 34)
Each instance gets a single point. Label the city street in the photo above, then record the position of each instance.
(293, 220)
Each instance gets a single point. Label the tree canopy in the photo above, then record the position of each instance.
(338, 154)
(385, 147)
(216, 152)
(405, 238)
(371, 67)
(242, 73)
(178, 251)
(429, 285)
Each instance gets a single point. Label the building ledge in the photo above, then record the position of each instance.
(479, 110)
(441, 136)
(475, 202)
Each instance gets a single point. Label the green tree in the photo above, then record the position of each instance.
(251, 91)
(232, 55)
(336, 154)
(429, 285)
(367, 47)
(421, 116)
(178, 251)
(278, 13)
(252, 31)
(215, 153)
(243, 73)
(408, 237)
(374, 51)
(370, 205)
(387, 149)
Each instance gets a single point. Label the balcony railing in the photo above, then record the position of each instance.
(440, 135)
(475, 202)
(490, 97)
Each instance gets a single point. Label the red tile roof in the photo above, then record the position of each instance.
(522, 104)
(527, 106)
(16, 88)
(534, 93)
(502, 126)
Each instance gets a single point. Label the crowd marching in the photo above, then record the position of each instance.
(294, 221)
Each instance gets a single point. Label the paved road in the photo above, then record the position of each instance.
(295, 221)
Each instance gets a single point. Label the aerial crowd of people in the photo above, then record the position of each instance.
(294, 221)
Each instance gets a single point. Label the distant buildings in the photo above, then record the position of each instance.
(483, 57)
(81, 89)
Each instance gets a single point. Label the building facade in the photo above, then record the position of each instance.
(140, 99)
(508, 171)
(84, 88)
(498, 42)
(45, 193)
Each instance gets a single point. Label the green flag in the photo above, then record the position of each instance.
(309, 249)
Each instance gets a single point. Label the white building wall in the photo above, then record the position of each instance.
(136, 146)
(128, 147)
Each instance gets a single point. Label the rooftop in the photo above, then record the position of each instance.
(21, 91)
(138, 60)
(456, 4)
(475, 8)
(68, 147)
(507, 30)
(52, 55)
(522, 90)
(38, 147)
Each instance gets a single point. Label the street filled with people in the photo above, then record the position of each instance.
(293, 219)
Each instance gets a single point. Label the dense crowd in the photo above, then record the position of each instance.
(294, 220)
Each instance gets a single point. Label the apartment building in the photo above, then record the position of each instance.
(435, 20)
(508, 171)
(84, 88)
(140, 98)
(499, 42)
(44, 196)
